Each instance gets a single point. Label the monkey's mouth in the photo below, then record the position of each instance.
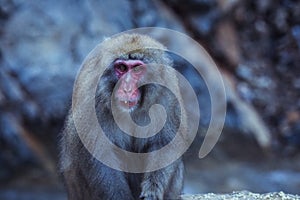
(128, 103)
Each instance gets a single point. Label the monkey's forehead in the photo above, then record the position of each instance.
(131, 42)
(132, 46)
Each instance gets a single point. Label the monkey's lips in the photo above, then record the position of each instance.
(128, 103)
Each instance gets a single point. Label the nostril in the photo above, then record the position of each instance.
(127, 89)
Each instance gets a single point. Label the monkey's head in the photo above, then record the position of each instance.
(128, 59)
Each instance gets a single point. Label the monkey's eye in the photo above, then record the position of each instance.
(121, 68)
(137, 69)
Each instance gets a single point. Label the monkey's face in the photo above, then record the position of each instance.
(129, 73)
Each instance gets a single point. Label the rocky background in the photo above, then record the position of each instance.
(256, 45)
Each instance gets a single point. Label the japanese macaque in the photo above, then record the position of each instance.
(128, 59)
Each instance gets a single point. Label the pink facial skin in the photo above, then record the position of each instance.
(130, 73)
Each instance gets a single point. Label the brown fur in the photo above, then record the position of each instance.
(87, 178)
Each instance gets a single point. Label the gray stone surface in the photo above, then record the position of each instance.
(243, 195)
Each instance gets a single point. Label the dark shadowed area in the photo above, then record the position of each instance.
(256, 45)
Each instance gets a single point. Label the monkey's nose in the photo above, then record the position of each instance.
(127, 89)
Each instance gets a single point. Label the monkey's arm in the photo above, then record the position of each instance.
(165, 183)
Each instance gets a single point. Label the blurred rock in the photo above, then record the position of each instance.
(228, 43)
